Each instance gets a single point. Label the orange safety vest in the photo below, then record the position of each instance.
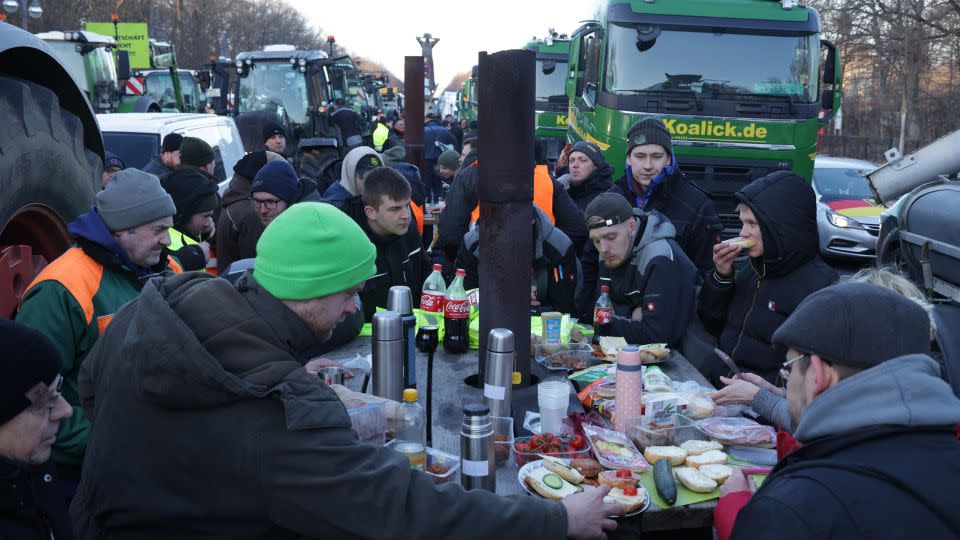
(80, 274)
(542, 193)
(417, 211)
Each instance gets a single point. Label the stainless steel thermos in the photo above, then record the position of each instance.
(477, 463)
(399, 299)
(387, 355)
(499, 371)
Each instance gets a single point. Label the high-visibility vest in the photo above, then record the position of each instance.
(542, 193)
(417, 212)
(380, 137)
(178, 240)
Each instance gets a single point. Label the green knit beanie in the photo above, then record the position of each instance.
(311, 250)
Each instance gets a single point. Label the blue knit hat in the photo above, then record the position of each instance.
(278, 179)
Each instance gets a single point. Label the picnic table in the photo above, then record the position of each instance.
(451, 392)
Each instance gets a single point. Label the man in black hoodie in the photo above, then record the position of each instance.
(746, 305)
(400, 257)
(586, 174)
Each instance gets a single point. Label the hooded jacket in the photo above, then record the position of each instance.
(657, 278)
(238, 226)
(686, 206)
(72, 301)
(880, 459)
(31, 503)
(224, 434)
(555, 270)
(600, 181)
(747, 310)
(401, 260)
(338, 194)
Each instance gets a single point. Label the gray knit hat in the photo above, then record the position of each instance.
(449, 159)
(133, 198)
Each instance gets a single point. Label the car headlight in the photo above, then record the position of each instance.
(843, 221)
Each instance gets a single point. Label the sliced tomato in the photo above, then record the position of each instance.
(624, 473)
(630, 491)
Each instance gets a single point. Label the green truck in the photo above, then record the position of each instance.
(89, 60)
(744, 86)
(551, 98)
(469, 100)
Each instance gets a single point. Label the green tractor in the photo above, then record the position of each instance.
(744, 86)
(89, 59)
(469, 98)
(551, 97)
(175, 90)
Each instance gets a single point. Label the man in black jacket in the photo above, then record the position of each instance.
(400, 257)
(169, 157)
(555, 272)
(746, 306)
(652, 283)
(348, 125)
(436, 140)
(880, 457)
(586, 174)
(32, 506)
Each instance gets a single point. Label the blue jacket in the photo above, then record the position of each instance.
(433, 132)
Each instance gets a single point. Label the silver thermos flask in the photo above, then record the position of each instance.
(477, 463)
(499, 371)
(387, 355)
(399, 299)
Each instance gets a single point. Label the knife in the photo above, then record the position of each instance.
(728, 361)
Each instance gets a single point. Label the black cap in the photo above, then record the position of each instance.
(271, 128)
(172, 142)
(856, 324)
(368, 163)
(192, 193)
(607, 210)
(29, 358)
(591, 150)
(112, 161)
(649, 131)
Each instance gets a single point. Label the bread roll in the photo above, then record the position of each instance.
(561, 469)
(717, 473)
(629, 503)
(536, 483)
(700, 406)
(695, 448)
(675, 454)
(710, 456)
(742, 242)
(611, 479)
(694, 480)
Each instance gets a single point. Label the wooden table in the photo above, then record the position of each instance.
(451, 393)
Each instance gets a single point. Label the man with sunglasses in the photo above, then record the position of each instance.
(878, 426)
(31, 408)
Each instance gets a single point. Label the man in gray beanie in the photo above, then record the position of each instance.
(120, 243)
(877, 425)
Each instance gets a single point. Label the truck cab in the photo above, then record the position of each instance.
(160, 86)
(551, 98)
(743, 87)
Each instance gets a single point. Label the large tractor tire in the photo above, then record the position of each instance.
(47, 177)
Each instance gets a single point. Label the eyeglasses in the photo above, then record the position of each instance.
(270, 204)
(785, 370)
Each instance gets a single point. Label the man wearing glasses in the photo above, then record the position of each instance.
(276, 187)
(878, 426)
(31, 408)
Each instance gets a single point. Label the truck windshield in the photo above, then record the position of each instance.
(712, 61)
(275, 86)
(100, 62)
(159, 86)
(68, 56)
(551, 78)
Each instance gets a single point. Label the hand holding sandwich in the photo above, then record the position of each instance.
(726, 252)
(587, 514)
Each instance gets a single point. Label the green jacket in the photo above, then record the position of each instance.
(224, 434)
(71, 301)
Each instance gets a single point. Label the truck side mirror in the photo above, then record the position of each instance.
(830, 64)
(826, 100)
(123, 65)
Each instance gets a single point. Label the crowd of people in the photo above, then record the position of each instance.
(158, 385)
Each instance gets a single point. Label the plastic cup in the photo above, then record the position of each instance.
(553, 396)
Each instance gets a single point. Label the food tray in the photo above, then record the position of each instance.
(566, 357)
(525, 470)
(522, 458)
(445, 459)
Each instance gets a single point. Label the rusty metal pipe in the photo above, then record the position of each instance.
(413, 116)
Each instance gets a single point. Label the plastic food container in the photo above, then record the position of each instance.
(502, 439)
(522, 457)
(684, 430)
(436, 457)
(568, 356)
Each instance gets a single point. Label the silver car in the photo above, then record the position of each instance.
(847, 216)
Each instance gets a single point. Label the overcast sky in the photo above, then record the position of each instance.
(386, 30)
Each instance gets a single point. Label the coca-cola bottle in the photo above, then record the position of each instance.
(431, 296)
(456, 317)
(602, 312)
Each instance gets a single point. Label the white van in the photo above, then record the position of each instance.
(136, 137)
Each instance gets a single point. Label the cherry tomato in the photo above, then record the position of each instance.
(630, 491)
(522, 447)
(577, 443)
(536, 441)
(548, 435)
(624, 473)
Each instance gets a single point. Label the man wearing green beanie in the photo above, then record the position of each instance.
(230, 434)
(197, 154)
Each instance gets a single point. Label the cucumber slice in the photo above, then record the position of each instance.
(553, 481)
(579, 488)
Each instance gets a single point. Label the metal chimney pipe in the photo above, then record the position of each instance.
(413, 116)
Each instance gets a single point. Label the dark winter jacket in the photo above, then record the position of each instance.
(156, 167)
(401, 260)
(657, 278)
(457, 132)
(880, 460)
(464, 196)
(225, 435)
(583, 193)
(555, 271)
(347, 122)
(687, 207)
(746, 311)
(31, 503)
(434, 133)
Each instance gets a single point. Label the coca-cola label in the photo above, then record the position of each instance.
(430, 301)
(602, 315)
(456, 309)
